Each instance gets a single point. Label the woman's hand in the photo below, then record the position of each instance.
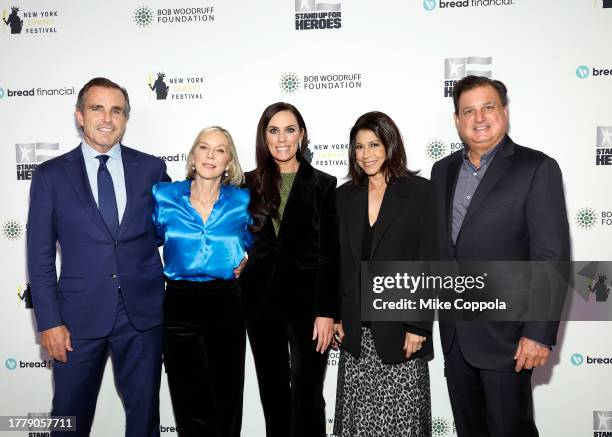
(338, 336)
(323, 332)
(413, 343)
(240, 267)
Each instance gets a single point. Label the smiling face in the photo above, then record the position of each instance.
(283, 135)
(370, 152)
(102, 117)
(211, 155)
(482, 120)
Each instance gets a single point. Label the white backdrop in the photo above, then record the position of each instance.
(226, 60)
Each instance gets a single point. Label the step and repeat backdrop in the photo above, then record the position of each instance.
(188, 64)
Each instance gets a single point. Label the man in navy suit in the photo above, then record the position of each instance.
(95, 201)
(497, 201)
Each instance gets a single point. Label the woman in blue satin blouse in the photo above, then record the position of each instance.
(202, 222)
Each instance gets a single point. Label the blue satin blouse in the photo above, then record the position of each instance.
(198, 251)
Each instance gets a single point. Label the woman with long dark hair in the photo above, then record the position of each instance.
(290, 280)
(386, 213)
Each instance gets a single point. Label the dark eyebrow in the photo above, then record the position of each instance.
(291, 125)
(114, 108)
(484, 104)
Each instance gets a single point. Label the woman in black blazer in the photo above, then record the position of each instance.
(386, 213)
(290, 282)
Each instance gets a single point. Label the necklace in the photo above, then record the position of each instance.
(206, 203)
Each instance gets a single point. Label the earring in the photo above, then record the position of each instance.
(192, 167)
(226, 173)
(299, 144)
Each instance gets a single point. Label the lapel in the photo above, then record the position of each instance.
(497, 168)
(452, 174)
(393, 202)
(130, 174)
(300, 197)
(354, 218)
(74, 164)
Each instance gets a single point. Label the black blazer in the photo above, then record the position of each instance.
(295, 275)
(405, 231)
(517, 213)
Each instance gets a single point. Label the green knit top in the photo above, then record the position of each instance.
(285, 189)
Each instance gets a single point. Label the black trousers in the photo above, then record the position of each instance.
(204, 347)
(488, 403)
(290, 374)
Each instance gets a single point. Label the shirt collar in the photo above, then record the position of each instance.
(90, 153)
(484, 159)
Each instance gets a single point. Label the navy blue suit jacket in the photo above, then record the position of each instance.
(517, 213)
(93, 263)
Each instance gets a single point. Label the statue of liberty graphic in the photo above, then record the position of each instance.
(26, 296)
(601, 290)
(160, 87)
(13, 21)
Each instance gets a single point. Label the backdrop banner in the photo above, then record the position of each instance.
(188, 64)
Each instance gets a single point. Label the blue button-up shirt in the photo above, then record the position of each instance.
(195, 250)
(467, 183)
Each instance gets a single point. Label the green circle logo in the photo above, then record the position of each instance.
(582, 72)
(289, 82)
(439, 427)
(12, 230)
(429, 5)
(586, 218)
(143, 16)
(436, 149)
(11, 363)
(577, 359)
(1, 92)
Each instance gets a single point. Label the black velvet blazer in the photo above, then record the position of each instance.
(294, 275)
(405, 231)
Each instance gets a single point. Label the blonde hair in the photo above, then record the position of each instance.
(235, 175)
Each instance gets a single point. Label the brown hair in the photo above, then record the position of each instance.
(383, 127)
(264, 182)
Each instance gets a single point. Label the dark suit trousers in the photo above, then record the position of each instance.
(205, 340)
(488, 403)
(290, 374)
(136, 357)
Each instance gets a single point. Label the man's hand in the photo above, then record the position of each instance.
(57, 341)
(530, 354)
(413, 343)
